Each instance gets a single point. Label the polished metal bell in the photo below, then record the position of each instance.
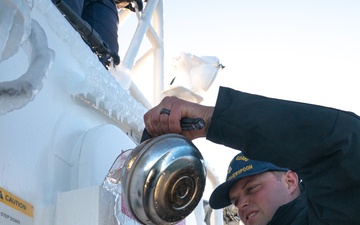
(163, 179)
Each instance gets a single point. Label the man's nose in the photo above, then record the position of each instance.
(242, 203)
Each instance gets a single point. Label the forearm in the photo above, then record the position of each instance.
(275, 130)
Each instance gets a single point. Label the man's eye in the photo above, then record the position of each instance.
(253, 188)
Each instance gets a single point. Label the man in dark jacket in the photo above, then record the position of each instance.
(320, 144)
(258, 189)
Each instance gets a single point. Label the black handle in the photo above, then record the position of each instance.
(185, 123)
(192, 124)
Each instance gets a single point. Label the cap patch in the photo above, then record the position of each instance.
(236, 173)
(241, 158)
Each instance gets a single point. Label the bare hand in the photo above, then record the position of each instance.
(159, 121)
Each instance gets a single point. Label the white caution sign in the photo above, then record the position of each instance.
(14, 210)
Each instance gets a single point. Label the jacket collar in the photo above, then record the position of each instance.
(291, 213)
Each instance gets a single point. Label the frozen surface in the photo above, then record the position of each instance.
(107, 89)
(107, 92)
(45, 67)
(14, 30)
(64, 117)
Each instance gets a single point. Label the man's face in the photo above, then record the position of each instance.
(258, 197)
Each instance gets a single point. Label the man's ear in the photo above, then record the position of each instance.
(292, 180)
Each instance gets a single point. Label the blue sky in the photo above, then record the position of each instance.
(281, 48)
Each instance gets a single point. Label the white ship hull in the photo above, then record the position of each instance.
(64, 118)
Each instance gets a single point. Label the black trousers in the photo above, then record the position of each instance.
(102, 15)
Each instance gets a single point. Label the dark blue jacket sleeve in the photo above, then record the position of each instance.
(321, 144)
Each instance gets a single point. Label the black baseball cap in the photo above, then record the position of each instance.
(239, 167)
